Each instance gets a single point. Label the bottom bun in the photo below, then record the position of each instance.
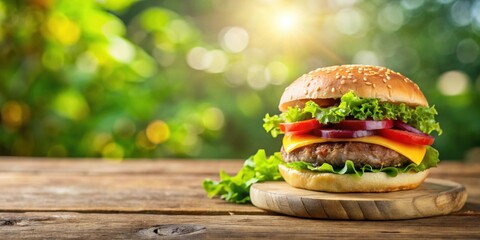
(368, 182)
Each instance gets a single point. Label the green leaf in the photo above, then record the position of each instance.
(352, 106)
(272, 124)
(294, 114)
(257, 168)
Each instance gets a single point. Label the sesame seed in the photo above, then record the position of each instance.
(405, 80)
(318, 88)
(337, 76)
(333, 89)
(368, 83)
(342, 82)
(384, 80)
(374, 85)
(354, 80)
(389, 86)
(306, 91)
(364, 79)
(388, 77)
(308, 84)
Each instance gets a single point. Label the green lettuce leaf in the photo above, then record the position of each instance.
(272, 124)
(429, 160)
(352, 106)
(257, 168)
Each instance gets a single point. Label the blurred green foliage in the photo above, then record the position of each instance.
(151, 79)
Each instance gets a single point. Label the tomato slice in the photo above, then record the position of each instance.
(301, 126)
(364, 124)
(406, 137)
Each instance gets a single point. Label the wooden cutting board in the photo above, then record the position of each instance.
(434, 197)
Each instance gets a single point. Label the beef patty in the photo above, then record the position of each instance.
(338, 152)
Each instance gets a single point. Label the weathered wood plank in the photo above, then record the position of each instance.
(159, 193)
(58, 225)
(170, 186)
(163, 193)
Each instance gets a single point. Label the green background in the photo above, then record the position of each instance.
(158, 79)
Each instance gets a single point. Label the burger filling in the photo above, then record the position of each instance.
(363, 133)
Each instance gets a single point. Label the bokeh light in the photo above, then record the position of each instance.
(217, 61)
(121, 50)
(124, 127)
(467, 50)
(62, 29)
(453, 83)
(234, 39)
(349, 21)
(213, 119)
(14, 114)
(460, 13)
(71, 104)
(158, 132)
(390, 18)
(198, 58)
(213, 61)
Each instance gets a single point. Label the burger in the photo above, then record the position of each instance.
(355, 128)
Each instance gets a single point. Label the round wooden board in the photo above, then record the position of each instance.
(434, 197)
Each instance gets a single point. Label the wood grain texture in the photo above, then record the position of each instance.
(434, 197)
(61, 225)
(153, 193)
(168, 187)
(43, 198)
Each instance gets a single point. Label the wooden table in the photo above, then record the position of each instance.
(85, 199)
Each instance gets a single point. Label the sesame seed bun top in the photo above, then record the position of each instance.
(326, 85)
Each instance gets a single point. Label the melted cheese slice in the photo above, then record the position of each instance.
(413, 152)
